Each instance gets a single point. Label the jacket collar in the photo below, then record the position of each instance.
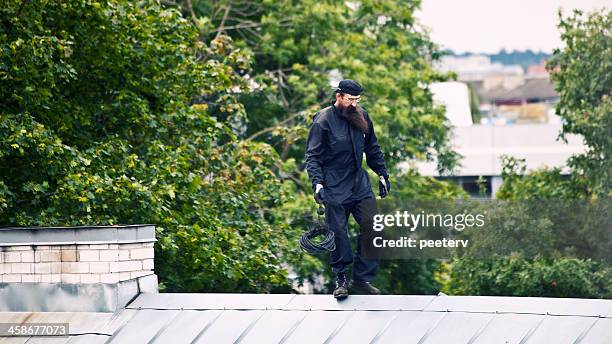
(335, 109)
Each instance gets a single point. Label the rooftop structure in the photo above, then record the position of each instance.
(282, 318)
(128, 309)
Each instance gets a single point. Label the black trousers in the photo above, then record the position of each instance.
(336, 217)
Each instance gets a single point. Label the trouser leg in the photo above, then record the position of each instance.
(336, 217)
(364, 269)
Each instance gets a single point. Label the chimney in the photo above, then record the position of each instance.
(75, 269)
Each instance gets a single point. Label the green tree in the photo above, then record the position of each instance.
(299, 46)
(127, 112)
(547, 183)
(539, 277)
(96, 127)
(582, 75)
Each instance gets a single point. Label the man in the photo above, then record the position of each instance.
(339, 136)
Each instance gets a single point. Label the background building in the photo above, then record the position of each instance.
(499, 110)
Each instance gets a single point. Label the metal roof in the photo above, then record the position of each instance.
(276, 318)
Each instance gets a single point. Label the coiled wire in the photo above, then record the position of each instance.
(327, 244)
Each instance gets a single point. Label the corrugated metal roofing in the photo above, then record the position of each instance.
(265, 318)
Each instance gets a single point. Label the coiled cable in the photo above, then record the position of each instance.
(319, 228)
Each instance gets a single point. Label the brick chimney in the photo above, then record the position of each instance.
(91, 269)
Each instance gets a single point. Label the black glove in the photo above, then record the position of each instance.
(384, 186)
(319, 194)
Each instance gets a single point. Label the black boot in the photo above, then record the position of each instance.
(341, 290)
(364, 288)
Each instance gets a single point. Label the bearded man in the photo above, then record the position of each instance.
(339, 136)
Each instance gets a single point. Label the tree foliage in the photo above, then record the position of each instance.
(299, 46)
(582, 75)
(96, 128)
(539, 277)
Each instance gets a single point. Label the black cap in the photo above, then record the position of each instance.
(349, 86)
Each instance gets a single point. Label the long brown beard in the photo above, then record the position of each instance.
(355, 116)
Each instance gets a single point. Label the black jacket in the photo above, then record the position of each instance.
(334, 154)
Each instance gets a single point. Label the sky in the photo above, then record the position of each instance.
(487, 26)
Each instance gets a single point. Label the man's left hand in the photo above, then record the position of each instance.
(384, 186)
